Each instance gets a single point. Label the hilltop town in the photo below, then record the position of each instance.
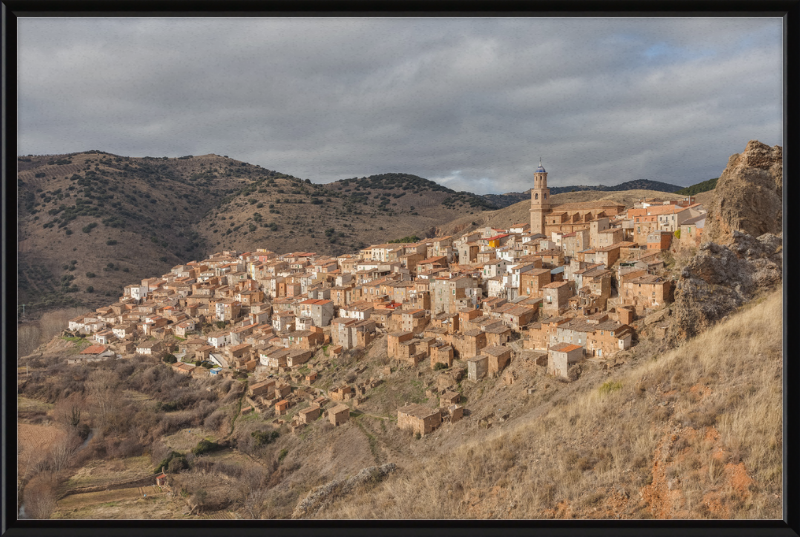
(297, 385)
(569, 286)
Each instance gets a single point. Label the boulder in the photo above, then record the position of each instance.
(719, 279)
(749, 195)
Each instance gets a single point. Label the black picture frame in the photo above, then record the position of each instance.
(13, 9)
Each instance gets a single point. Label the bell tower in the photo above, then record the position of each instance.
(540, 203)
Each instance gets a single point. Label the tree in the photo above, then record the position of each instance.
(170, 358)
(101, 385)
(252, 488)
(177, 464)
(40, 498)
(69, 410)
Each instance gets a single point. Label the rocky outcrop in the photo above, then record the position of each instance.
(323, 495)
(748, 195)
(721, 278)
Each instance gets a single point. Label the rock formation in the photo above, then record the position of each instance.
(720, 278)
(748, 195)
(323, 495)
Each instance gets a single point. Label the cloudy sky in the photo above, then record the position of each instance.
(468, 102)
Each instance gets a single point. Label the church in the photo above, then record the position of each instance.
(566, 217)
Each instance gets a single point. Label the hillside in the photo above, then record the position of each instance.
(520, 212)
(90, 223)
(510, 198)
(702, 439)
(699, 188)
(105, 215)
(335, 218)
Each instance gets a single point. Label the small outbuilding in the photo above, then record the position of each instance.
(419, 419)
(339, 414)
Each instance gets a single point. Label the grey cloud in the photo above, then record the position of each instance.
(601, 100)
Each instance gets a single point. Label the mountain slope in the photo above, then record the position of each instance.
(702, 439)
(97, 221)
(703, 186)
(335, 218)
(118, 218)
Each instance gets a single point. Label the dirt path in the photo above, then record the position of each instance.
(75, 501)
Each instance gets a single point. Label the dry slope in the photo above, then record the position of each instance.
(701, 439)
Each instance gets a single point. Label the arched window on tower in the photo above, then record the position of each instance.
(536, 196)
(545, 196)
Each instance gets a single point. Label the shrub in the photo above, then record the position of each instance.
(282, 454)
(170, 359)
(439, 366)
(177, 464)
(111, 242)
(263, 438)
(609, 387)
(90, 289)
(165, 464)
(204, 446)
(90, 274)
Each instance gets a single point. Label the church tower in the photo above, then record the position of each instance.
(540, 203)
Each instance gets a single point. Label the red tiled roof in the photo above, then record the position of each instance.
(564, 348)
(498, 236)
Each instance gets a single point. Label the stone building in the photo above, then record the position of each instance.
(498, 358)
(307, 415)
(561, 356)
(477, 367)
(565, 218)
(556, 297)
(339, 415)
(394, 340)
(419, 419)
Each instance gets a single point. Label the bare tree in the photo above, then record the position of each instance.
(62, 453)
(253, 490)
(69, 411)
(102, 385)
(40, 498)
(254, 503)
(28, 338)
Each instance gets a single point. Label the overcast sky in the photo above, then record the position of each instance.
(471, 103)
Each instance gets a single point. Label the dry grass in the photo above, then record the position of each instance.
(693, 433)
(97, 472)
